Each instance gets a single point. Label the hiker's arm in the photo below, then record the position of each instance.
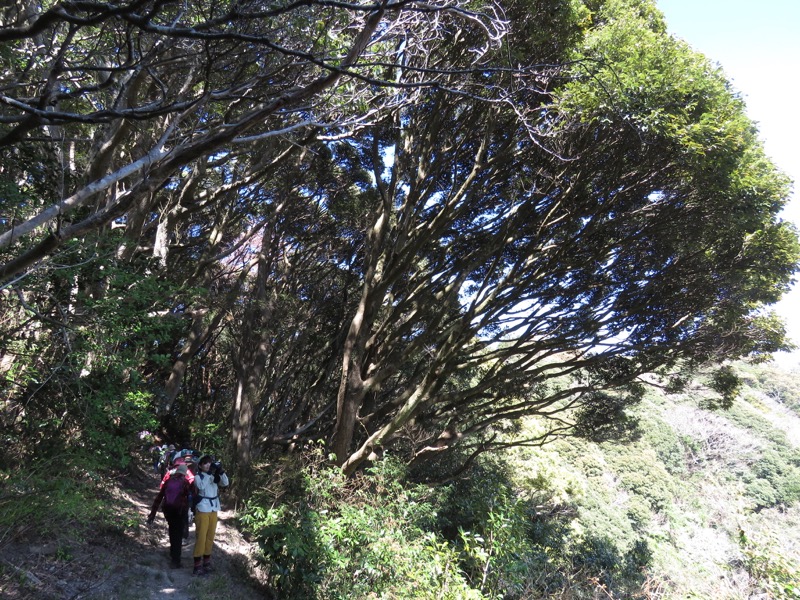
(156, 504)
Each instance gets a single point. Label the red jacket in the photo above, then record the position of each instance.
(189, 477)
(187, 488)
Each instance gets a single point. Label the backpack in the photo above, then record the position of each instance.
(175, 493)
(196, 499)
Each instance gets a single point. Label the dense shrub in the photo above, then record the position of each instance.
(641, 473)
(491, 525)
(379, 535)
(776, 574)
(773, 480)
(668, 445)
(761, 493)
(331, 537)
(638, 512)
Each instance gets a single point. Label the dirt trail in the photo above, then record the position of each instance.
(130, 566)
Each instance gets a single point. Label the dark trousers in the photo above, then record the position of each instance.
(175, 519)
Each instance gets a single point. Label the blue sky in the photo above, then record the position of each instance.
(758, 46)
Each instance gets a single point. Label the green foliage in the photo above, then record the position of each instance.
(490, 526)
(114, 418)
(208, 434)
(86, 383)
(603, 561)
(556, 536)
(639, 512)
(641, 473)
(323, 536)
(64, 500)
(727, 384)
(773, 481)
(762, 493)
(778, 575)
(778, 384)
(668, 445)
(604, 417)
(335, 538)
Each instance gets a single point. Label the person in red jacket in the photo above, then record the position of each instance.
(173, 498)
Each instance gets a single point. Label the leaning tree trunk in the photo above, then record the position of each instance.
(249, 376)
(354, 381)
(253, 350)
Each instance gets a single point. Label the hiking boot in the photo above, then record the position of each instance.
(175, 563)
(207, 568)
(199, 572)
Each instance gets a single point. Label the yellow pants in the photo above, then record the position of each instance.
(205, 526)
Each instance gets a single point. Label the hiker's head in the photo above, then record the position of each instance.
(181, 470)
(205, 462)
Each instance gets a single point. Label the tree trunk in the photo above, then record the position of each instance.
(352, 387)
(249, 380)
(253, 353)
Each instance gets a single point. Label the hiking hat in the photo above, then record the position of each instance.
(181, 469)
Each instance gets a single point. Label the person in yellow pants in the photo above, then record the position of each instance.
(210, 477)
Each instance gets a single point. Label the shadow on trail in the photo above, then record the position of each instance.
(126, 561)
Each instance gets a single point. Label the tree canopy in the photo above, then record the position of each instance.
(393, 223)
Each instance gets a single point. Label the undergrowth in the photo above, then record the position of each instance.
(58, 500)
(380, 535)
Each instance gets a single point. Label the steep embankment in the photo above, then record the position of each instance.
(713, 496)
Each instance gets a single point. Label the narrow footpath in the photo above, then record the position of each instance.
(133, 565)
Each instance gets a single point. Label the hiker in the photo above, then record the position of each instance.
(175, 452)
(191, 464)
(165, 458)
(173, 498)
(210, 476)
(189, 472)
(191, 467)
(155, 454)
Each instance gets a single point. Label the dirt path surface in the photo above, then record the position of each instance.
(134, 565)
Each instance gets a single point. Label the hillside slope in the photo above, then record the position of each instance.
(712, 495)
